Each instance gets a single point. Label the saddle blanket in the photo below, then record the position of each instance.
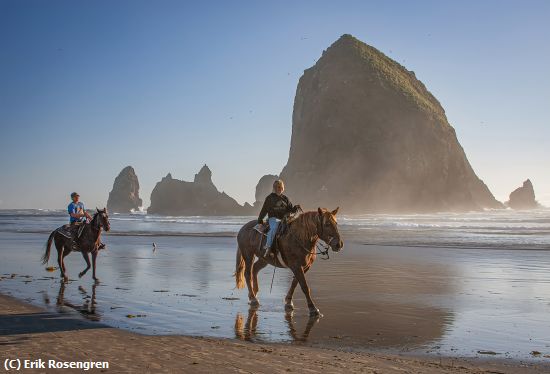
(65, 230)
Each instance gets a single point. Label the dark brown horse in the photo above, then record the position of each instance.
(88, 242)
(296, 248)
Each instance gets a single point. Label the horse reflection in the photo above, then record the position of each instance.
(88, 307)
(292, 329)
(247, 330)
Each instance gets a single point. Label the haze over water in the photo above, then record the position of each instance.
(450, 284)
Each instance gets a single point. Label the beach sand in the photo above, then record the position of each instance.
(29, 332)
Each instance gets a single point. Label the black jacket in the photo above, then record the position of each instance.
(276, 206)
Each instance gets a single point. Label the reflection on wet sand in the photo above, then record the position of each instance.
(88, 306)
(379, 300)
(248, 330)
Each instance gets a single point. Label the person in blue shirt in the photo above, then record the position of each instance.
(77, 216)
(77, 212)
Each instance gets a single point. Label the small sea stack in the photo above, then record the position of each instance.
(523, 197)
(124, 197)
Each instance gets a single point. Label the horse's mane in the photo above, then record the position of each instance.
(94, 217)
(304, 226)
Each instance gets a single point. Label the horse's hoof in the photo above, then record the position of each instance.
(254, 302)
(289, 306)
(96, 280)
(315, 313)
(80, 275)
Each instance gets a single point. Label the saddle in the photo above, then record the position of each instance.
(72, 232)
(281, 230)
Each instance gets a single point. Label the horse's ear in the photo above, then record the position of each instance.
(96, 208)
(320, 211)
(335, 211)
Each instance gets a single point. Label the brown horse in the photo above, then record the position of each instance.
(88, 242)
(296, 248)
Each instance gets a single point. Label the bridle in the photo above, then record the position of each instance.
(322, 249)
(97, 224)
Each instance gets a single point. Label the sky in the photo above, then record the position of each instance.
(89, 87)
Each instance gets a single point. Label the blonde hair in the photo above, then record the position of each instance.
(277, 183)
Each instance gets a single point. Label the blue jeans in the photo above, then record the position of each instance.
(273, 224)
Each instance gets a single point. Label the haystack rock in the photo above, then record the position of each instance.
(198, 198)
(124, 197)
(369, 137)
(264, 188)
(523, 197)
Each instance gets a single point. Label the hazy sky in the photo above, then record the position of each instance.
(88, 87)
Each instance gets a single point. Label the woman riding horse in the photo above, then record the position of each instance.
(296, 251)
(276, 206)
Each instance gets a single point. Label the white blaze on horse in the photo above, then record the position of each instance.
(296, 248)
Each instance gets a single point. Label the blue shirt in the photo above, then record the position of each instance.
(75, 208)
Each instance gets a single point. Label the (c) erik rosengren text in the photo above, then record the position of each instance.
(18, 364)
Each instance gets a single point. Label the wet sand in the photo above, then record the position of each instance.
(29, 332)
(434, 302)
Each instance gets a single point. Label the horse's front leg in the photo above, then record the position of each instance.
(289, 305)
(94, 257)
(300, 276)
(87, 259)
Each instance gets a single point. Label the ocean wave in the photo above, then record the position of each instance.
(494, 229)
(217, 234)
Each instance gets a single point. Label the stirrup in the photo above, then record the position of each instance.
(267, 251)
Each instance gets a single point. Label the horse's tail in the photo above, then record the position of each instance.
(46, 256)
(239, 269)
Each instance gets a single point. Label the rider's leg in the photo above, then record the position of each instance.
(273, 225)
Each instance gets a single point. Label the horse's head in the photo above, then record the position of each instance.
(102, 219)
(328, 229)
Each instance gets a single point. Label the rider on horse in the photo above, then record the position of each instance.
(276, 206)
(79, 216)
(77, 212)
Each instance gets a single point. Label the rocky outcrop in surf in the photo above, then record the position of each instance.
(124, 197)
(198, 198)
(368, 136)
(523, 197)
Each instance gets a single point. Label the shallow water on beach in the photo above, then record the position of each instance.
(434, 284)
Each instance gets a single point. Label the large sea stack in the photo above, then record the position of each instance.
(198, 198)
(124, 197)
(523, 197)
(369, 137)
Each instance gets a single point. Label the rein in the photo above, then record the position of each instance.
(95, 224)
